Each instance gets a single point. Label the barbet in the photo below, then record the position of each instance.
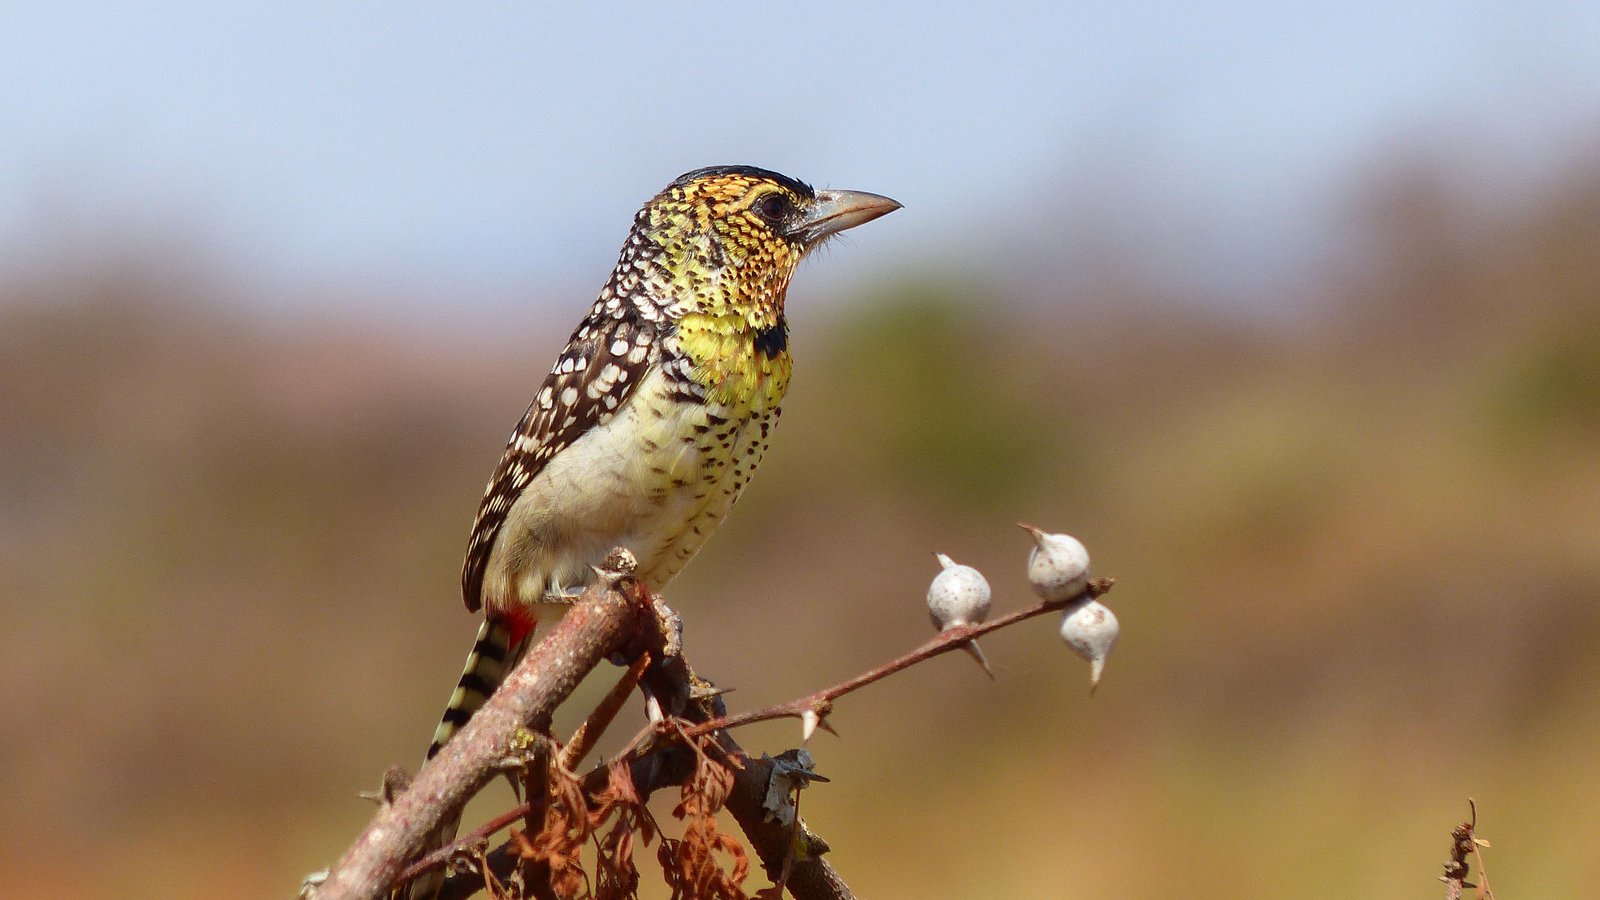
(657, 412)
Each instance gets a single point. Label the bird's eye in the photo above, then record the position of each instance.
(773, 208)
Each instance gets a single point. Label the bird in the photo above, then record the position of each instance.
(656, 413)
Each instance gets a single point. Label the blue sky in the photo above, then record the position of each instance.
(493, 150)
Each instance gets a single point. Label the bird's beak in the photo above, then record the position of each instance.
(835, 211)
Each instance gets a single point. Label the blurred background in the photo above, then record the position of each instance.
(1290, 312)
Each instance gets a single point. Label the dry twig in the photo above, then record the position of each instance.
(691, 748)
(820, 703)
(1465, 842)
(602, 623)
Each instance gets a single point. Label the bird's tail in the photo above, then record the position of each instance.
(497, 647)
(487, 665)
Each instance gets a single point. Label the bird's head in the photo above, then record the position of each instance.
(725, 240)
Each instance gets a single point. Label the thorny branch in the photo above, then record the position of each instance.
(1464, 842)
(791, 854)
(688, 747)
(599, 625)
(659, 758)
(820, 703)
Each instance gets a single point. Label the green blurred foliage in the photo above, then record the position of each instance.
(1549, 389)
(922, 378)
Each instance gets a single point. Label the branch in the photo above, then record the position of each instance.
(604, 621)
(570, 755)
(1464, 842)
(657, 760)
(820, 703)
(657, 757)
(472, 838)
(607, 619)
(811, 877)
(689, 697)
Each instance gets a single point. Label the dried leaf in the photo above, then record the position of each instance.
(691, 865)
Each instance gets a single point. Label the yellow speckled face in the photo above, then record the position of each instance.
(748, 213)
(713, 254)
(724, 242)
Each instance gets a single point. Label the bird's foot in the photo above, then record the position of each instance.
(562, 595)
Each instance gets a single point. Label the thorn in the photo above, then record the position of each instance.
(619, 564)
(972, 650)
(308, 887)
(815, 718)
(395, 780)
(1095, 668)
(705, 690)
(1036, 531)
(945, 562)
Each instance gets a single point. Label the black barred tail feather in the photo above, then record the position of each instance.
(491, 659)
(487, 665)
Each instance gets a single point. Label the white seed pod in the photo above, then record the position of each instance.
(1058, 564)
(1090, 629)
(959, 595)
